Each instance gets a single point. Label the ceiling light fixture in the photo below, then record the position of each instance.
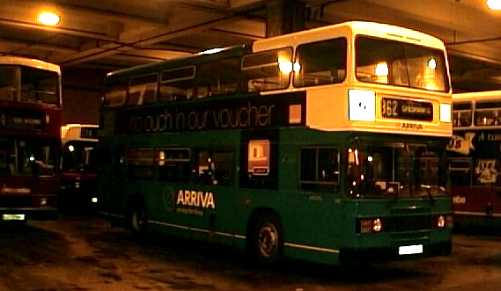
(494, 4)
(48, 18)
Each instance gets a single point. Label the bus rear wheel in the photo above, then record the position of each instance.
(266, 240)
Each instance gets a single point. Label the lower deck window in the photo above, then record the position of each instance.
(319, 169)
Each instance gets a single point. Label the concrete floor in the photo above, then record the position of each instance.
(86, 254)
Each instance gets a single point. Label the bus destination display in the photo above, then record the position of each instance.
(406, 109)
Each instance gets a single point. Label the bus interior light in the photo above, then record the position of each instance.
(382, 70)
(285, 66)
(362, 105)
(94, 200)
(445, 112)
(432, 64)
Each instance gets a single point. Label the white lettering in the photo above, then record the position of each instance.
(195, 199)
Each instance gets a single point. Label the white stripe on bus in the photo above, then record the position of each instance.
(183, 227)
(111, 214)
(471, 213)
(310, 248)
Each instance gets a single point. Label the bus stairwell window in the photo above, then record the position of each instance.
(258, 158)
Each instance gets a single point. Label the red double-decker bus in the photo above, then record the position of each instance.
(30, 121)
(475, 158)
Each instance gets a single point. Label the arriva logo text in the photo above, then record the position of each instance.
(195, 199)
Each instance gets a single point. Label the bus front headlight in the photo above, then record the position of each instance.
(368, 225)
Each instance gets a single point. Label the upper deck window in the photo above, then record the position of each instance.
(115, 95)
(400, 64)
(143, 89)
(177, 84)
(27, 84)
(217, 78)
(461, 114)
(269, 70)
(320, 63)
(488, 114)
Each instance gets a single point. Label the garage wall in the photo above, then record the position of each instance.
(82, 91)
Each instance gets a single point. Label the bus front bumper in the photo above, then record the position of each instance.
(27, 213)
(347, 255)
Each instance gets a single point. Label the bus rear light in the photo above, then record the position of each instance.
(362, 105)
(368, 225)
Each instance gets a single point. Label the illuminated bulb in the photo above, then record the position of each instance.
(48, 18)
(32, 158)
(369, 158)
(297, 67)
(285, 66)
(432, 64)
(211, 51)
(494, 4)
(71, 148)
(381, 70)
(94, 200)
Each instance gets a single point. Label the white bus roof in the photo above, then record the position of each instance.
(385, 31)
(34, 63)
(477, 96)
(72, 131)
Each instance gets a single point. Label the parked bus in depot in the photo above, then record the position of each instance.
(30, 120)
(78, 167)
(475, 151)
(326, 145)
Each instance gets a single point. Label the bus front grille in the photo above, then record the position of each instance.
(13, 201)
(408, 223)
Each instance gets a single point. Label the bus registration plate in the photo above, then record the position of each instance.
(13, 217)
(410, 250)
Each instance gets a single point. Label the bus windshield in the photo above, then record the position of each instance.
(23, 157)
(400, 64)
(79, 156)
(26, 84)
(400, 170)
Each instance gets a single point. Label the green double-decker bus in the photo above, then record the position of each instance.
(326, 145)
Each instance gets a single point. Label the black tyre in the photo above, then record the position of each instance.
(138, 220)
(266, 241)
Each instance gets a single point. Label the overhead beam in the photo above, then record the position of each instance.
(29, 45)
(161, 35)
(60, 29)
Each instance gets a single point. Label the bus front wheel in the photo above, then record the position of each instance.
(266, 240)
(138, 220)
